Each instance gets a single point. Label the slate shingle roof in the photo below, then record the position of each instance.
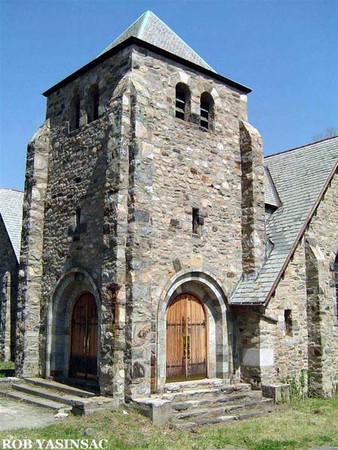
(149, 28)
(299, 176)
(11, 211)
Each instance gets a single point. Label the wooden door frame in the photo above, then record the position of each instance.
(200, 301)
(220, 326)
(77, 298)
(68, 288)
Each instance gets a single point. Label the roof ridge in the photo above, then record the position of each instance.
(151, 29)
(179, 38)
(11, 189)
(300, 146)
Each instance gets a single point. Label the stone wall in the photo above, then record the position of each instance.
(322, 237)
(8, 294)
(253, 211)
(177, 166)
(117, 215)
(289, 347)
(306, 353)
(86, 209)
(31, 263)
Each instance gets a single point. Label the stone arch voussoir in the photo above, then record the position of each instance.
(70, 286)
(210, 292)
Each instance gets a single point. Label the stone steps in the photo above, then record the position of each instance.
(198, 384)
(56, 396)
(220, 419)
(37, 401)
(223, 402)
(60, 387)
(207, 393)
(215, 411)
(42, 393)
(203, 403)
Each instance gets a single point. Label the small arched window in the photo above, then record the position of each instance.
(75, 113)
(182, 105)
(206, 111)
(94, 102)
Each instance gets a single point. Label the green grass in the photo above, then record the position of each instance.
(299, 425)
(7, 365)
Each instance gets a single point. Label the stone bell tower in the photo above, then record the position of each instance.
(140, 186)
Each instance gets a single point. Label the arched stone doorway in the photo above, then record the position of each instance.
(83, 342)
(219, 327)
(72, 290)
(186, 329)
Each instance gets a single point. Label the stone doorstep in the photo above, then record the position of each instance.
(209, 420)
(200, 406)
(220, 411)
(196, 384)
(212, 392)
(225, 402)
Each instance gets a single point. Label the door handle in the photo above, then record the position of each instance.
(186, 347)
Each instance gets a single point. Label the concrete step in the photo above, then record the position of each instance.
(37, 401)
(48, 394)
(60, 387)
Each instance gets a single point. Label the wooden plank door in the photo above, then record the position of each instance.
(186, 338)
(83, 353)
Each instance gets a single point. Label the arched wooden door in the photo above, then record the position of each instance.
(186, 339)
(83, 351)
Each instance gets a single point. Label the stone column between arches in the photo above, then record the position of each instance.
(220, 330)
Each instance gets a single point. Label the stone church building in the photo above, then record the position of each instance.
(158, 245)
(10, 239)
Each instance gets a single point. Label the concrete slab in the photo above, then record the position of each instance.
(15, 414)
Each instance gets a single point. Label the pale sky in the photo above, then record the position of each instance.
(285, 50)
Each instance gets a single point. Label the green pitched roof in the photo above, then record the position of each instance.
(149, 28)
(299, 176)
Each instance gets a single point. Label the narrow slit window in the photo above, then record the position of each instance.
(94, 103)
(75, 113)
(288, 322)
(197, 221)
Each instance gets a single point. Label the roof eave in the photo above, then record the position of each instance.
(136, 41)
